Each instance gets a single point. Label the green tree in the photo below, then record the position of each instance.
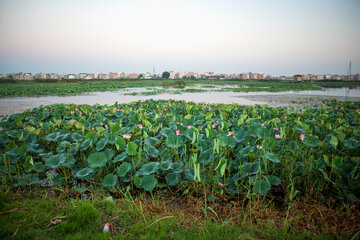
(165, 75)
(141, 75)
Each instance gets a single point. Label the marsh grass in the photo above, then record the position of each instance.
(56, 216)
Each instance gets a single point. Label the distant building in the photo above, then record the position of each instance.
(28, 76)
(40, 76)
(172, 75)
(122, 75)
(180, 75)
(113, 75)
(147, 75)
(298, 77)
(53, 76)
(133, 75)
(244, 76)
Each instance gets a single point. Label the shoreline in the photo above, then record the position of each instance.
(14, 105)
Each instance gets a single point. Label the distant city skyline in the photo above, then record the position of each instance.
(274, 37)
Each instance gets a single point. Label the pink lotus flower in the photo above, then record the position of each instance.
(188, 127)
(209, 108)
(302, 137)
(234, 137)
(160, 114)
(92, 129)
(253, 136)
(50, 109)
(72, 121)
(106, 125)
(41, 124)
(213, 125)
(177, 132)
(277, 136)
(263, 124)
(230, 133)
(101, 124)
(164, 109)
(76, 109)
(217, 121)
(259, 146)
(58, 125)
(71, 112)
(139, 126)
(276, 129)
(114, 109)
(125, 136)
(285, 117)
(181, 124)
(105, 109)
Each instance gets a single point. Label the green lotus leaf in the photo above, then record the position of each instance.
(120, 143)
(85, 144)
(272, 157)
(4, 139)
(83, 173)
(110, 180)
(262, 186)
(131, 149)
(28, 164)
(172, 179)
(38, 167)
(62, 146)
(121, 157)
(151, 141)
(52, 137)
(99, 117)
(97, 160)
(110, 153)
(101, 144)
(206, 157)
(77, 137)
(149, 168)
(55, 161)
(138, 181)
(29, 179)
(148, 182)
(151, 150)
(166, 165)
(174, 141)
(351, 143)
(115, 127)
(274, 180)
(312, 141)
(334, 141)
(123, 169)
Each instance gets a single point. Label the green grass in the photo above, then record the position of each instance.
(52, 217)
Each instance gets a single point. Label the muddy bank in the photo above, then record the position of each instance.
(296, 101)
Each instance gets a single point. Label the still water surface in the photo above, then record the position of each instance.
(19, 104)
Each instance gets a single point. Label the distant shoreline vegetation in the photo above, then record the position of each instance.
(71, 87)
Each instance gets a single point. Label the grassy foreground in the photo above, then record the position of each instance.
(54, 216)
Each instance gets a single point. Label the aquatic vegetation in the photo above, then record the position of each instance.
(227, 149)
(74, 87)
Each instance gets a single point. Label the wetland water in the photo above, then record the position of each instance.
(19, 104)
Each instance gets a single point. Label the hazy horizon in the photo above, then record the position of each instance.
(274, 37)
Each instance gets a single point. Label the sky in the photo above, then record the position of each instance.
(277, 37)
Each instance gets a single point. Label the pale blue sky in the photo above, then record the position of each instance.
(278, 37)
